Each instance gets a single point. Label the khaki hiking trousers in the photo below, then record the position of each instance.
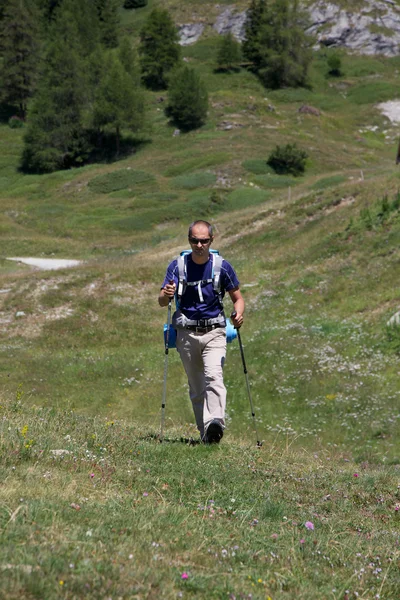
(203, 357)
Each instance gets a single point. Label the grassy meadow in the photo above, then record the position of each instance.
(91, 504)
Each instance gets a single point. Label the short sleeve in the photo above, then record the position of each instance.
(229, 278)
(171, 274)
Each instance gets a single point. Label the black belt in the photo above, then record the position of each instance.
(204, 329)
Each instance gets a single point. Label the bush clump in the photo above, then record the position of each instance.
(335, 65)
(15, 122)
(288, 159)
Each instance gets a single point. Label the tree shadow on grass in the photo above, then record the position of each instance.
(6, 112)
(104, 146)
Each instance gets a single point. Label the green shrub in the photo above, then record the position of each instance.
(335, 65)
(15, 122)
(119, 180)
(288, 159)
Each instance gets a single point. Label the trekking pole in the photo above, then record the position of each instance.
(259, 443)
(164, 394)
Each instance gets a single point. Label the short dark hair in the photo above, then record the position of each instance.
(201, 222)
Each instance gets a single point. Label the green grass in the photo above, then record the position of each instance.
(119, 180)
(191, 181)
(81, 366)
(230, 521)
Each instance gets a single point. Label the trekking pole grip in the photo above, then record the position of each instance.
(233, 315)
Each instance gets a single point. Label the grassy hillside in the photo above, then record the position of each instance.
(81, 353)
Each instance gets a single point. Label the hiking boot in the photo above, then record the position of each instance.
(214, 432)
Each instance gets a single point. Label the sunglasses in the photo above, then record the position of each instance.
(195, 241)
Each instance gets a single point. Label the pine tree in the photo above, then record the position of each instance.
(129, 59)
(229, 53)
(20, 53)
(48, 7)
(187, 99)
(81, 16)
(56, 137)
(159, 49)
(254, 21)
(118, 101)
(278, 45)
(107, 11)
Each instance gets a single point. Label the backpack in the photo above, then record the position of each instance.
(231, 332)
(215, 276)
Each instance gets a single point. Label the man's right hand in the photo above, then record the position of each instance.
(169, 289)
(167, 293)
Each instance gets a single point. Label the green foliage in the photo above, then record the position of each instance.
(159, 48)
(191, 181)
(187, 99)
(55, 137)
(118, 102)
(278, 47)
(129, 59)
(135, 3)
(229, 53)
(107, 11)
(254, 22)
(335, 65)
(288, 159)
(15, 122)
(20, 53)
(119, 180)
(375, 216)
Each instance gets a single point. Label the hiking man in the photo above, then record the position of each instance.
(201, 325)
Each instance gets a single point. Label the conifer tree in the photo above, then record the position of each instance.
(118, 101)
(129, 59)
(159, 49)
(107, 11)
(56, 137)
(20, 53)
(278, 45)
(254, 21)
(229, 53)
(187, 99)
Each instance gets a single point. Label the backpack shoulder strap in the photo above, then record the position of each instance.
(182, 275)
(216, 274)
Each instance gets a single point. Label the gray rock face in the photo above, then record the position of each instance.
(190, 33)
(373, 29)
(231, 21)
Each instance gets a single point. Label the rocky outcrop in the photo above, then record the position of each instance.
(373, 28)
(190, 33)
(230, 21)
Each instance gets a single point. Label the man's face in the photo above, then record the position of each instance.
(200, 240)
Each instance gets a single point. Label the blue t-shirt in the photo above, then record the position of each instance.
(191, 304)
